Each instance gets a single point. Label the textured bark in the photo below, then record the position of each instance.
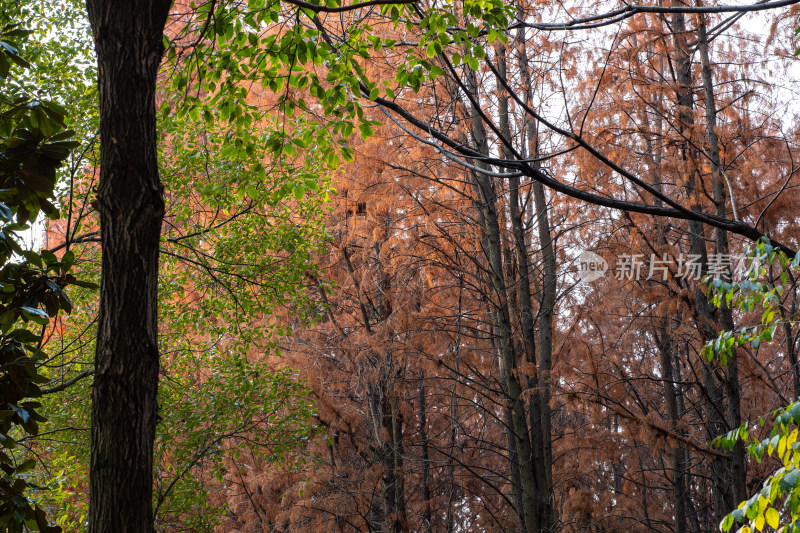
(451, 466)
(732, 396)
(547, 305)
(539, 405)
(128, 41)
(454, 416)
(427, 516)
(547, 298)
(487, 203)
(666, 350)
(724, 472)
(399, 520)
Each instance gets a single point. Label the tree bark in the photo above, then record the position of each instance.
(666, 348)
(427, 515)
(733, 401)
(539, 403)
(547, 296)
(725, 484)
(486, 196)
(128, 41)
(399, 521)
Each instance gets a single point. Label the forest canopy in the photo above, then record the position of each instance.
(396, 266)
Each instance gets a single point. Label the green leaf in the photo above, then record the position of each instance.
(430, 50)
(37, 315)
(366, 131)
(789, 480)
(727, 523)
(773, 518)
(26, 466)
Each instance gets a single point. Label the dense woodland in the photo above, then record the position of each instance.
(289, 266)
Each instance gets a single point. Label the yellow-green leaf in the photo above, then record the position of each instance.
(773, 518)
(430, 50)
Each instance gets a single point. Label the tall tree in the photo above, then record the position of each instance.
(129, 44)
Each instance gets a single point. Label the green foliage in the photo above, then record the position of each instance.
(245, 229)
(33, 144)
(246, 203)
(226, 410)
(280, 46)
(777, 504)
(750, 295)
(242, 231)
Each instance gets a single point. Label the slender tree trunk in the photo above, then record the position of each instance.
(539, 405)
(451, 465)
(547, 304)
(128, 41)
(487, 198)
(454, 416)
(547, 296)
(724, 486)
(689, 502)
(399, 520)
(732, 396)
(513, 459)
(382, 502)
(427, 519)
(666, 351)
(644, 492)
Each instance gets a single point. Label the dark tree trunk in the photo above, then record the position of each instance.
(547, 303)
(486, 201)
(721, 411)
(539, 403)
(732, 387)
(427, 515)
(128, 40)
(399, 522)
(666, 348)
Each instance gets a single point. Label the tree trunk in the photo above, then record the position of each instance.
(547, 297)
(723, 484)
(666, 347)
(487, 201)
(399, 516)
(128, 41)
(427, 518)
(539, 404)
(733, 402)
